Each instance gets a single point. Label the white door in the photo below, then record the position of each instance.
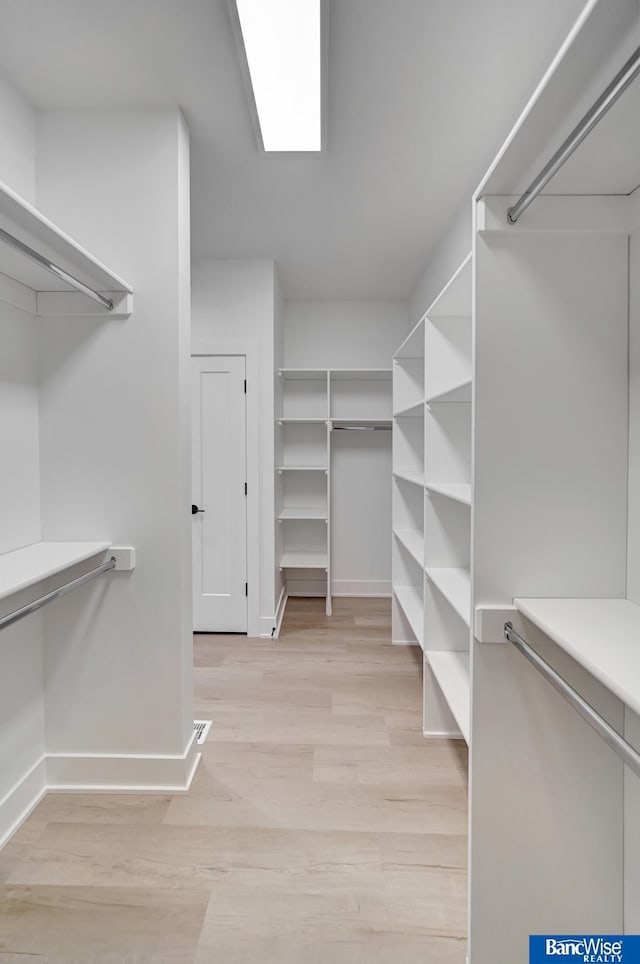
(219, 509)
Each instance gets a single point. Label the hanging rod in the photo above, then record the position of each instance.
(606, 100)
(54, 269)
(611, 737)
(50, 596)
(361, 428)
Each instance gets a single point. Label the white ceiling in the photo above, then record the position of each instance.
(421, 94)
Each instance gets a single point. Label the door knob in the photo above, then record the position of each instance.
(195, 510)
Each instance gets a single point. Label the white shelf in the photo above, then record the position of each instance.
(602, 635)
(415, 478)
(413, 541)
(25, 567)
(299, 373)
(302, 421)
(410, 600)
(302, 468)
(354, 374)
(360, 422)
(451, 670)
(412, 411)
(459, 392)
(303, 559)
(454, 301)
(413, 345)
(303, 512)
(455, 586)
(26, 223)
(459, 492)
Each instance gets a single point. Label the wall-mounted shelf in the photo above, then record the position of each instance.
(35, 288)
(26, 567)
(303, 512)
(455, 586)
(413, 541)
(460, 391)
(415, 478)
(600, 634)
(302, 468)
(414, 410)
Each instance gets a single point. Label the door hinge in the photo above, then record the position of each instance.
(245, 386)
(246, 588)
(245, 488)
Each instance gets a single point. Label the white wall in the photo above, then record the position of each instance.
(449, 255)
(352, 334)
(21, 672)
(343, 334)
(114, 420)
(18, 145)
(232, 304)
(633, 545)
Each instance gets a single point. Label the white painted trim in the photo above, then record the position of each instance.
(361, 587)
(214, 346)
(133, 773)
(406, 642)
(23, 797)
(17, 294)
(280, 611)
(267, 625)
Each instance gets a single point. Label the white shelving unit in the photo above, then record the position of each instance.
(26, 567)
(315, 403)
(432, 501)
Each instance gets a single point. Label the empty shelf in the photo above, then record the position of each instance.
(451, 670)
(455, 586)
(384, 422)
(304, 373)
(302, 421)
(302, 468)
(360, 373)
(303, 512)
(24, 567)
(600, 634)
(460, 392)
(413, 541)
(416, 478)
(414, 410)
(303, 559)
(459, 492)
(410, 600)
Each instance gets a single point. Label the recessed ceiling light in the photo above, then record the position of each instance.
(282, 44)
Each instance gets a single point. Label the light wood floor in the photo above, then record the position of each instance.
(321, 827)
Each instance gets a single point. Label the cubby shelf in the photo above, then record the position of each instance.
(303, 559)
(303, 512)
(410, 600)
(459, 492)
(416, 409)
(25, 567)
(413, 541)
(458, 392)
(302, 468)
(451, 670)
(415, 478)
(302, 421)
(455, 586)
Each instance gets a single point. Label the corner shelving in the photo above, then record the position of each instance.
(410, 600)
(451, 672)
(454, 584)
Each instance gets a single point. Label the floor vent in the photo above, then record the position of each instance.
(201, 728)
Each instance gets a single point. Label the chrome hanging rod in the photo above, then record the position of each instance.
(611, 737)
(48, 265)
(606, 100)
(50, 596)
(361, 428)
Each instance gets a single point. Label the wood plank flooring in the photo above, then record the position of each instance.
(321, 827)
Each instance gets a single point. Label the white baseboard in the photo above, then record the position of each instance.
(23, 797)
(405, 642)
(280, 611)
(267, 624)
(361, 587)
(99, 773)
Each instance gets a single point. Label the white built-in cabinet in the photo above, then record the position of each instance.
(432, 377)
(313, 404)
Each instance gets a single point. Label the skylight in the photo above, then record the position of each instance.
(282, 44)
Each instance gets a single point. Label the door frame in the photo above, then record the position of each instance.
(213, 347)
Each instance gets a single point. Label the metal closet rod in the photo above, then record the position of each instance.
(48, 265)
(606, 100)
(50, 596)
(611, 737)
(361, 428)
